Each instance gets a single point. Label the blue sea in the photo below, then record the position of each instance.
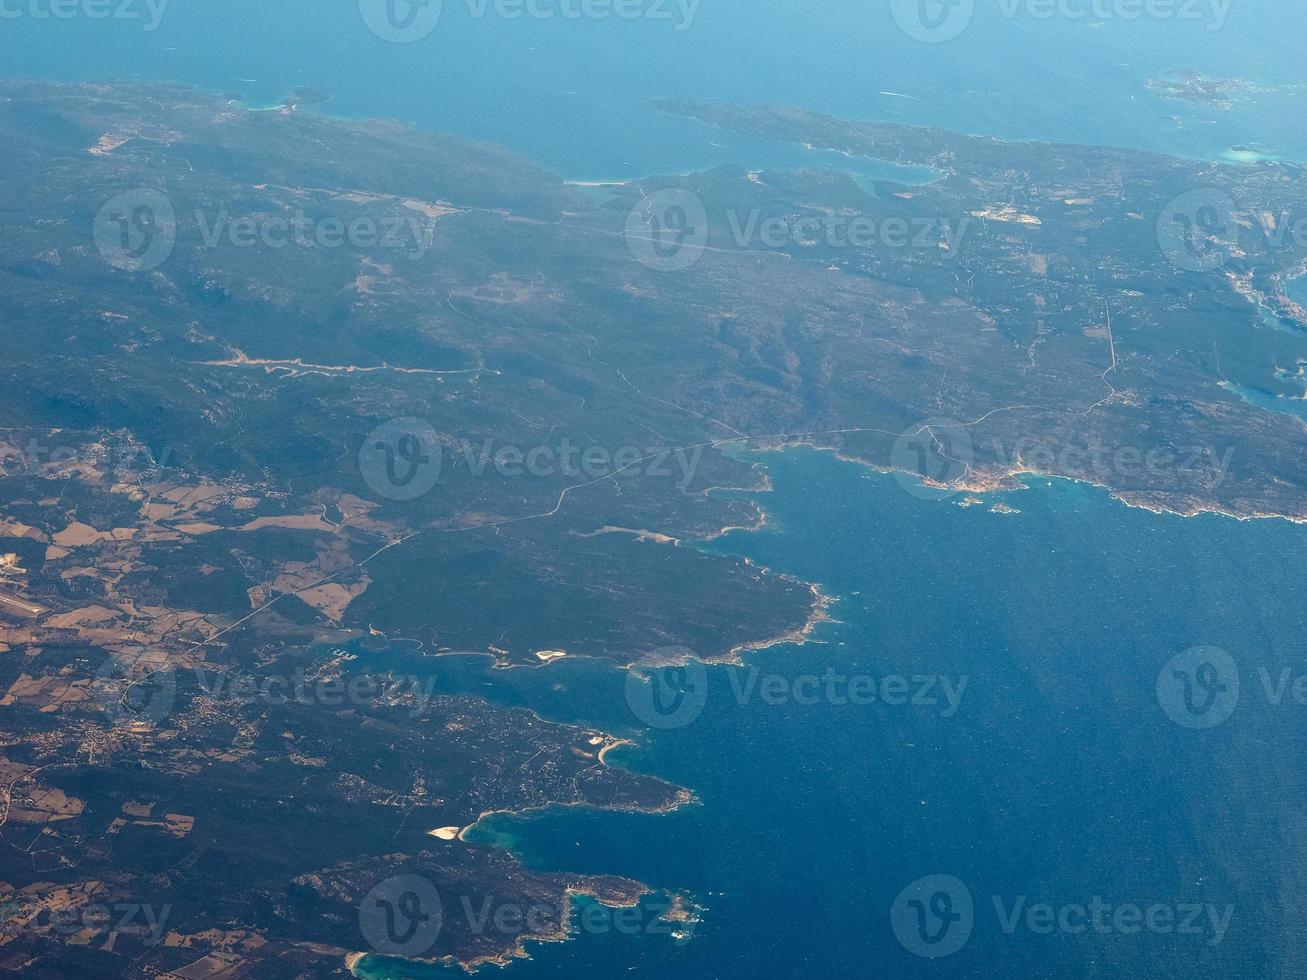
(1060, 777)
(575, 95)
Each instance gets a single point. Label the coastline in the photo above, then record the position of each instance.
(684, 796)
(801, 636)
(1008, 481)
(681, 910)
(879, 488)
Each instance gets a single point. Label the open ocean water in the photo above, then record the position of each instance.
(1057, 771)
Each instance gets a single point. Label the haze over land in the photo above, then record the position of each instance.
(349, 468)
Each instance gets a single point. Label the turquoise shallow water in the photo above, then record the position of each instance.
(1292, 400)
(1059, 777)
(1271, 403)
(1297, 291)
